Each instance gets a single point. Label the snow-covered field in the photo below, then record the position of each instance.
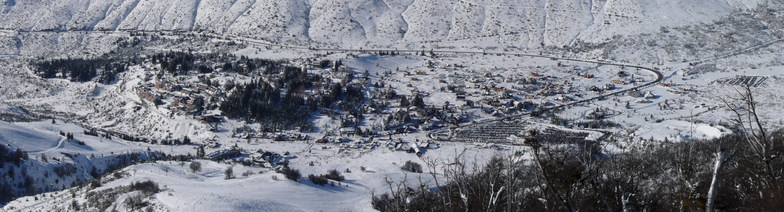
(254, 189)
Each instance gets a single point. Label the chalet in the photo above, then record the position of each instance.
(564, 98)
(223, 154)
(147, 94)
(181, 100)
(635, 93)
(280, 137)
(431, 145)
(323, 140)
(211, 118)
(343, 140)
(527, 105)
(428, 125)
(496, 89)
(491, 102)
(273, 158)
(649, 95)
(205, 88)
(400, 145)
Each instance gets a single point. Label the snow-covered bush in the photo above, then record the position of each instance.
(334, 175)
(291, 174)
(318, 180)
(195, 166)
(412, 167)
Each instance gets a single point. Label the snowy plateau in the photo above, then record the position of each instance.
(391, 105)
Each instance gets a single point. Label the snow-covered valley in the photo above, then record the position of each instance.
(328, 105)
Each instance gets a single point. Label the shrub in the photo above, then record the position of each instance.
(136, 202)
(334, 175)
(412, 167)
(291, 174)
(195, 166)
(145, 186)
(95, 183)
(318, 180)
(229, 173)
(65, 170)
(118, 174)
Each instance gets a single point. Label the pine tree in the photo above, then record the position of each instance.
(418, 101)
(404, 101)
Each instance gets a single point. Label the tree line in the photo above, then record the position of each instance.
(81, 70)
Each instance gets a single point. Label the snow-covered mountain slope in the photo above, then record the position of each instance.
(55, 162)
(382, 22)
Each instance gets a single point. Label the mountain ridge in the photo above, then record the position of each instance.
(377, 22)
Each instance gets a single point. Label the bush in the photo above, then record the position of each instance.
(118, 174)
(6, 192)
(145, 186)
(412, 167)
(95, 183)
(291, 174)
(334, 175)
(136, 202)
(318, 180)
(229, 173)
(66, 169)
(195, 166)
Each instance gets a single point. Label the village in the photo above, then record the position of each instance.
(463, 102)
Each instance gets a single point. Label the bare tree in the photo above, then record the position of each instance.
(536, 146)
(756, 136)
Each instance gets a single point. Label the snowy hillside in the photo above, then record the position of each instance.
(381, 22)
(56, 161)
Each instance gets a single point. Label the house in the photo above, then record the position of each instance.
(348, 131)
(635, 93)
(609, 86)
(280, 137)
(497, 89)
(323, 140)
(649, 95)
(212, 118)
(432, 145)
(223, 154)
